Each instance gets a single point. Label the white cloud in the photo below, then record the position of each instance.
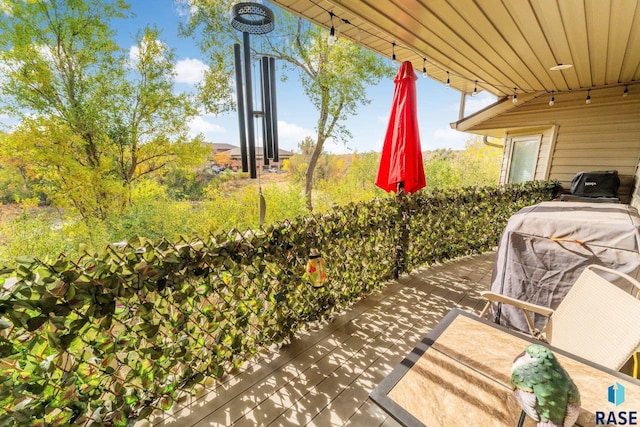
(145, 48)
(447, 137)
(447, 134)
(134, 54)
(8, 123)
(134, 51)
(185, 8)
(333, 147)
(201, 125)
(46, 53)
(289, 134)
(190, 71)
(477, 103)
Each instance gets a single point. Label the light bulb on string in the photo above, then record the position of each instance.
(552, 100)
(332, 37)
(331, 40)
(626, 90)
(424, 68)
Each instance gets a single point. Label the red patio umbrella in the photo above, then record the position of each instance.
(401, 161)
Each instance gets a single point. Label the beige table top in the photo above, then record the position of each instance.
(460, 374)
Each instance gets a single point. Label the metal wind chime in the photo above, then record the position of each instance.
(254, 18)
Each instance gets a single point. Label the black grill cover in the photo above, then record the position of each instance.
(596, 184)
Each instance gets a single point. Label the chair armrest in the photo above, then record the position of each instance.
(494, 297)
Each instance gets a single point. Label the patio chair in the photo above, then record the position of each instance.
(596, 320)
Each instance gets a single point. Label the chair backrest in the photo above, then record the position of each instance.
(597, 320)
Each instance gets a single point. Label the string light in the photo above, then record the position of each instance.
(515, 96)
(332, 39)
(332, 32)
(552, 100)
(424, 68)
(393, 53)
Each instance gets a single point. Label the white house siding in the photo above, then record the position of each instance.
(603, 135)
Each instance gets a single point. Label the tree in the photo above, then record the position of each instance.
(299, 162)
(352, 178)
(92, 120)
(334, 77)
(441, 173)
(479, 163)
(147, 122)
(222, 158)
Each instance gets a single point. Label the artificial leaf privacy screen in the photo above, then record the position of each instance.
(108, 338)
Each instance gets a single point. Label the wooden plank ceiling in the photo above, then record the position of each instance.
(500, 44)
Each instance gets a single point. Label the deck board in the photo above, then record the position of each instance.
(324, 376)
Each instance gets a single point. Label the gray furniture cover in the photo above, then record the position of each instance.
(545, 247)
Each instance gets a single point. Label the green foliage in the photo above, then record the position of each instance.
(480, 163)
(352, 180)
(187, 201)
(297, 165)
(187, 183)
(47, 233)
(450, 223)
(153, 213)
(441, 173)
(13, 186)
(284, 202)
(92, 119)
(226, 176)
(124, 330)
(477, 164)
(239, 209)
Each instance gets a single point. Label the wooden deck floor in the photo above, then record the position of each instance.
(324, 376)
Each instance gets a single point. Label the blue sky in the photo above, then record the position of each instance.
(437, 105)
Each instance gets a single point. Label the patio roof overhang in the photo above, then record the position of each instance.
(504, 46)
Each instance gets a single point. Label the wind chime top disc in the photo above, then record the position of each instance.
(252, 18)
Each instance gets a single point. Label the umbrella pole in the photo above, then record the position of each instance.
(401, 243)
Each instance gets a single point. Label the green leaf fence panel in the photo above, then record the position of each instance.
(110, 337)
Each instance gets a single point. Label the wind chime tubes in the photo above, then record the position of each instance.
(270, 118)
(254, 18)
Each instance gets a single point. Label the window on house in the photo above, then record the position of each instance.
(524, 157)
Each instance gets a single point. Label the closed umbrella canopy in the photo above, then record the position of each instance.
(401, 161)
